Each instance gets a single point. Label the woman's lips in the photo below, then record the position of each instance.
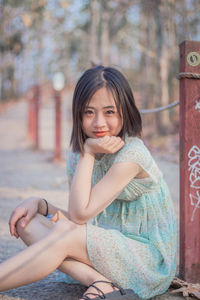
(100, 133)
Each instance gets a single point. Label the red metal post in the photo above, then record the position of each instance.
(36, 115)
(31, 115)
(57, 155)
(190, 163)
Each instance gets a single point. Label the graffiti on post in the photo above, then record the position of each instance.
(197, 105)
(194, 178)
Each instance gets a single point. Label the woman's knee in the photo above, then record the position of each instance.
(21, 227)
(38, 227)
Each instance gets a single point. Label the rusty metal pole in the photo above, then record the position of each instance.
(190, 162)
(36, 115)
(31, 114)
(58, 118)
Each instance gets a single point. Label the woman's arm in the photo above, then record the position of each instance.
(52, 210)
(86, 202)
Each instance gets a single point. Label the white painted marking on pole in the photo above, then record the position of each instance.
(194, 177)
(195, 201)
(197, 105)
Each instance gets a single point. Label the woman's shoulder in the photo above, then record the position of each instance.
(134, 150)
(133, 145)
(132, 142)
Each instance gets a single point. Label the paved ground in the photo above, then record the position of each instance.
(26, 172)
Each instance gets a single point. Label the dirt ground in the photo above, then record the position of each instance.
(26, 172)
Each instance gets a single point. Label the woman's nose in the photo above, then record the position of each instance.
(99, 120)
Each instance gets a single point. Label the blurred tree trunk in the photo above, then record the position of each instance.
(160, 11)
(184, 20)
(143, 67)
(94, 30)
(105, 38)
(143, 43)
(2, 77)
(2, 52)
(147, 66)
(66, 58)
(173, 50)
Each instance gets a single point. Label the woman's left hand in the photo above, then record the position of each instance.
(106, 144)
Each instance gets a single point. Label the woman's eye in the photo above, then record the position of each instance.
(110, 112)
(89, 112)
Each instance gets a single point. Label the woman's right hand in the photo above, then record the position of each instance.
(24, 212)
(106, 144)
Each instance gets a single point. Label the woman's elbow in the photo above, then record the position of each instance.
(78, 218)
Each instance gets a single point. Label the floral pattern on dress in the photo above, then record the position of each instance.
(133, 242)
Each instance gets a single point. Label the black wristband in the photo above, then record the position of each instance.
(47, 207)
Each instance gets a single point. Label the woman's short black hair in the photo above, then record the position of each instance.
(91, 81)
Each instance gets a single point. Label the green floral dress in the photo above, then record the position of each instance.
(133, 242)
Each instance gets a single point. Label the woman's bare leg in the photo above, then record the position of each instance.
(41, 258)
(38, 228)
(83, 273)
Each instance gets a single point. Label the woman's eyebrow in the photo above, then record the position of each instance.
(88, 106)
(105, 107)
(109, 106)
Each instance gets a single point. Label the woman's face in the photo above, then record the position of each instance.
(100, 116)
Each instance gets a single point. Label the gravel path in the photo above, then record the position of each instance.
(26, 172)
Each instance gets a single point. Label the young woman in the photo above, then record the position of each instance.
(118, 236)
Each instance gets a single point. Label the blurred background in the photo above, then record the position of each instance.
(141, 38)
(45, 46)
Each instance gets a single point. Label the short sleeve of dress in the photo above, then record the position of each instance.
(72, 161)
(135, 151)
